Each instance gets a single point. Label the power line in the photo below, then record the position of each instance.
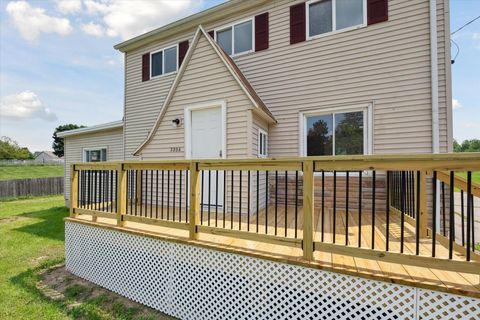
(466, 24)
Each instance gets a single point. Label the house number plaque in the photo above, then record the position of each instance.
(175, 149)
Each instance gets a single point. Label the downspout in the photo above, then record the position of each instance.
(434, 76)
(434, 88)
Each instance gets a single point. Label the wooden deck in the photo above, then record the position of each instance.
(431, 278)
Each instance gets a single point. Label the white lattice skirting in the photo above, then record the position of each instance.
(190, 282)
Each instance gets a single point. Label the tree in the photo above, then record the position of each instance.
(10, 150)
(472, 145)
(58, 142)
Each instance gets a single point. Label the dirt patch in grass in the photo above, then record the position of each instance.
(85, 300)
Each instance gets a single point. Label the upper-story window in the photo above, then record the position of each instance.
(324, 16)
(262, 143)
(237, 38)
(163, 61)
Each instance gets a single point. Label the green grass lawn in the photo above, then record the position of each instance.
(32, 236)
(22, 172)
(475, 176)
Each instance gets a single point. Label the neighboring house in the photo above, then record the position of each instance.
(281, 78)
(46, 157)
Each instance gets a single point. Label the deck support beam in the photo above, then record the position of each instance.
(73, 190)
(121, 195)
(194, 210)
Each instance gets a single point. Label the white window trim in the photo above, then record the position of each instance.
(367, 125)
(163, 61)
(334, 20)
(231, 25)
(188, 124)
(259, 151)
(84, 152)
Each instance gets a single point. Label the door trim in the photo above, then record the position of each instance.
(188, 124)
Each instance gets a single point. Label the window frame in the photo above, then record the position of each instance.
(84, 152)
(163, 61)
(232, 25)
(334, 20)
(367, 125)
(259, 151)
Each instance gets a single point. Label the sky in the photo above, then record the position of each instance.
(58, 65)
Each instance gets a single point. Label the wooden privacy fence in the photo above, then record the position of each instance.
(395, 208)
(31, 187)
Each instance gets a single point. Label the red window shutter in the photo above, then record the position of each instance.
(146, 67)
(297, 23)
(182, 51)
(377, 11)
(211, 33)
(261, 31)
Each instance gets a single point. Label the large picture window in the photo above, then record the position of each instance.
(95, 155)
(336, 133)
(325, 16)
(237, 38)
(163, 61)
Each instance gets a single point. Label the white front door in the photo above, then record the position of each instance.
(206, 141)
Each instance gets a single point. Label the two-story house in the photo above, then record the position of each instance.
(278, 78)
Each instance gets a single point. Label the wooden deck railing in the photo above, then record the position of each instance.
(386, 208)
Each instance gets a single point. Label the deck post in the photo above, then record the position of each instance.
(423, 205)
(73, 190)
(308, 207)
(194, 210)
(121, 194)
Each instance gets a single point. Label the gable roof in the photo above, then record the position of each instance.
(91, 129)
(229, 64)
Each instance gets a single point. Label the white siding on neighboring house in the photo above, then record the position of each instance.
(74, 146)
(386, 64)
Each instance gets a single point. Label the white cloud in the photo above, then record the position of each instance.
(25, 105)
(126, 19)
(456, 104)
(93, 29)
(32, 21)
(69, 6)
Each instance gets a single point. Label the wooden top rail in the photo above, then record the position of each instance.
(444, 162)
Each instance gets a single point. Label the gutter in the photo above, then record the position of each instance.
(434, 77)
(91, 129)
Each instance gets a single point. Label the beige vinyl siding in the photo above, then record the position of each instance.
(205, 66)
(74, 146)
(386, 64)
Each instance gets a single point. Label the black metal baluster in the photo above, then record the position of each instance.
(323, 206)
(209, 194)
(402, 216)
(276, 201)
(216, 198)
(141, 193)
(296, 203)
(112, 189)
(116, 198)
(231, 202)
(136, 191)
(186, 195)
(163, 191)
(434, 212)
(360, 189)
(201, 197)
(224, 196)
(334, 204)
(168, 194)
(266, 202)
(240, 201)
(286, 202)
(101, 191)
(469, 212)
(346, 206)
(444, 222)
(151, 193)
(180, 196)
(173, 196)
(248, 201)
(156, 194)
(374, 186)
(417, 217)
(387, 211)
(258, 197)
(95, 186)
(452, 217)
